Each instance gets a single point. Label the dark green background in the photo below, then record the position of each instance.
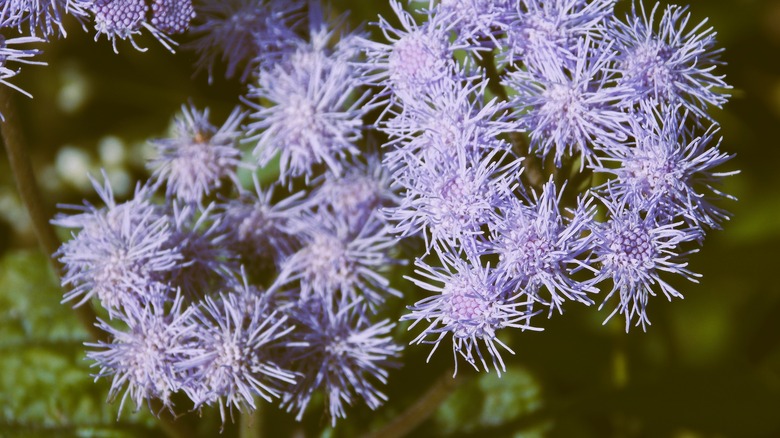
(709, 366)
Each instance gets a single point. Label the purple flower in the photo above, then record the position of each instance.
(450, 201)
(199, 156)
(472, 304)
(125, 19)
(633, 250)
(143, 358)
(668, 168)
(312, 118)
(232, 360)
(415, 57)
(119, 253)
(333, 260)
(547, 32)
(571, 109)
(357, 195)
(340, 352)
(667, 63)
(258, 229)
(207, 262)
(40, 17)
(539, 247)
(243, 34)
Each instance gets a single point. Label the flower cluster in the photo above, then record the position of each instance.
(536, 153)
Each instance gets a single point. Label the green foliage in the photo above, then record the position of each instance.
(45, 384)
(490, 401)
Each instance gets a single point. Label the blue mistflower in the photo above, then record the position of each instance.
(472, 304)
(451, 201)
(539, 247)
(341, 352)
(571, 108)
(144, 356)
(232, 359)
(41, 17)
(119, 253)
(199, 157)
(244, 34)
(669, 169)
(200, 238)
(633, 251)
(357, 195)
(415, 57)
(333, 260)
(445, 119)
(313, 118)
(547, 32)
(172, 16)
(124, 19)
(474, 19)
(667, 63)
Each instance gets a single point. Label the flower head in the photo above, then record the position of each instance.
(199, 156)
(344, 354)
(471, 305)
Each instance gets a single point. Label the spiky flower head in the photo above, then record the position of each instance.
(119, 252)
(334, 261)
(244, 34)
(539, 247)
(314, 117)
(633, 250)
(143, 357)
(342, 353)
(233, 359)
(573, 108)
(470, 304)
(667, 63)
(199, 156)
(669, 167)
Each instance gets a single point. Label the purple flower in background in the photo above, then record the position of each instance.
(633, 250)
(143, 358)
(259, 229)
(471, 305)
(340, 352)
(667, 63)
(244, 34)
(195, 161)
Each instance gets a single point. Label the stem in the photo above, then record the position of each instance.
(27, 185)
(533, 174)
(423, 408)
(250, 424)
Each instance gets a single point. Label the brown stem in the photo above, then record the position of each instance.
(423, 408)
(533, 174)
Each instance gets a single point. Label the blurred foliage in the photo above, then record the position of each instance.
(708, 366)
